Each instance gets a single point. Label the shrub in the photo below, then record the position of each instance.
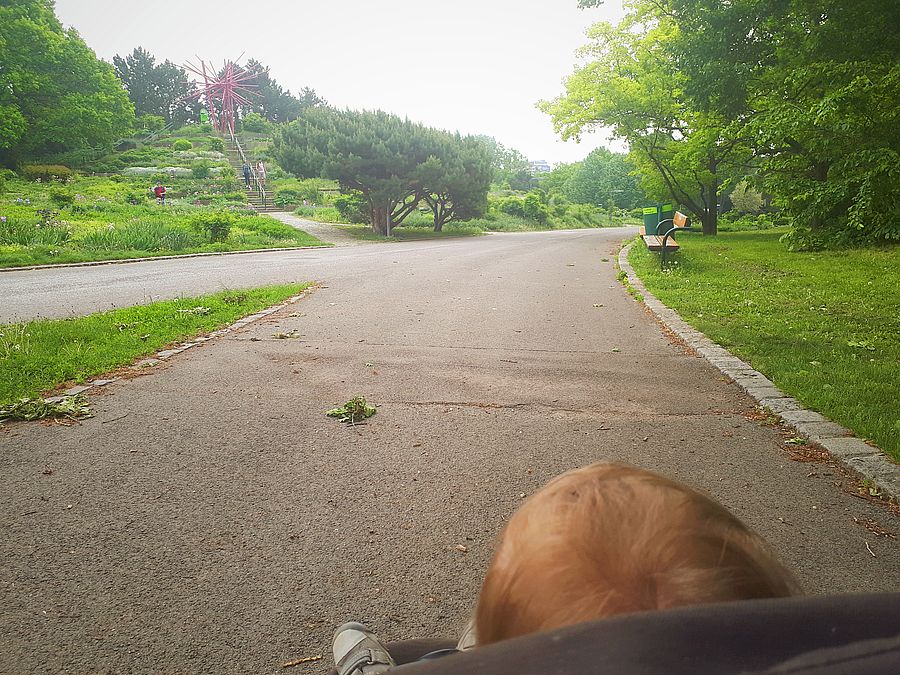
(46, 172)
(745, 199)
(285, 196)
(61, 197)
(7, 174)
(352, 208)
(200, 169)
(216, 144)
(216, 224)
(256, 123)
(2, 184)
(534, 209)
(511, 206)
(182, 144)
(134, 197)
(150, 123)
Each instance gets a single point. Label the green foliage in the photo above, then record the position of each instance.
(135, 197)
(150, 123)
(602, 177)
(393, 163)
(216, 144)
(814, 84)
(200, 168)
(256, 123)
(46, 172)
(534, 209)
(30, 409)
(216, 224)
(56, 95)
(353, 411)
(633, 86)
(61, 197)
(101, 223)
(182, 144)
(745, 199)
(158, 91)
(273, 102)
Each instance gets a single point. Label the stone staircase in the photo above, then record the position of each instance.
(259, 197)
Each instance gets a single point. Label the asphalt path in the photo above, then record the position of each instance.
(210, 518)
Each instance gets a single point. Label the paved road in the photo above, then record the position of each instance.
(211, 519)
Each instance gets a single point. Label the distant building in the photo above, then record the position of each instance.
(540, 166)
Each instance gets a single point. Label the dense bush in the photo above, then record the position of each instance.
(256, 123)
(150, 123)
(200, 169)
(352, 208)
(534, 209)
(46, 172)
(61, 197)
(216, 144)
(216, 224)
(182, 144)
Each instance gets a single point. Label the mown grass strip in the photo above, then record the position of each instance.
(40, 355)
(825, 327)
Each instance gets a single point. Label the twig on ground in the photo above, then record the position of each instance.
(298, 662)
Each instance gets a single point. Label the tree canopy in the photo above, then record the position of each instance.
(800, 95)
(274, 102)
(156, 89)
(392, 162)
(55, 94)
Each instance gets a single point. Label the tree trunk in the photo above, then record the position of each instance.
(710, 217)
(380, 217)
(820, 174)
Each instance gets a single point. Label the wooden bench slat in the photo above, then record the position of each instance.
(654, 243)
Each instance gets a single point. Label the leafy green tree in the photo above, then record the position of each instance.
(603, 177)
(511, 168)
(274, 102)
(814, 84)
(393, 163)
(156, 89)
(632, 85)
(456, 182)
(55, 94)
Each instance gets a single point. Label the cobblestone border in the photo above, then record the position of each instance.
(866, 460)
(166, 354)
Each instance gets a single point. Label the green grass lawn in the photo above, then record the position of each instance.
(825, 327)
(40, 355)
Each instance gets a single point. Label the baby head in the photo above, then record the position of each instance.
(611, 539)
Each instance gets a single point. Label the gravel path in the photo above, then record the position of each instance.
(322, 231)
(210, 518)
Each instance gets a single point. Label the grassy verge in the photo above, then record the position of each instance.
(825, 327)
(365, 233)
(40, 355)
(97, 218)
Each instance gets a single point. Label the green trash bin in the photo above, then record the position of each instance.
(651, 219)
(666, 213)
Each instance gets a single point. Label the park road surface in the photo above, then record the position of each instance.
(210, 518)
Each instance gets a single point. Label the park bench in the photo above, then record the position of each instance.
(665, 242)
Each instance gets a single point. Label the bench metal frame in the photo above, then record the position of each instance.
(672, 230)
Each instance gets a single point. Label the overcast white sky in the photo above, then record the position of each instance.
(477, 66)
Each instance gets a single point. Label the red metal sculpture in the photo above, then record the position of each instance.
(223, 92)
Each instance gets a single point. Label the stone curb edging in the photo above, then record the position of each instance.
(166, 354)
(123, 261)
(861, 458)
